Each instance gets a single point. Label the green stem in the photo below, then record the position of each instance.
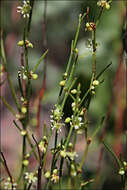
(113, 154)
(8, 75)
(94, 54)
(69, 136)
(8, 106)
(84, 156)
(67, 94)
(73, 45)
(54, 155)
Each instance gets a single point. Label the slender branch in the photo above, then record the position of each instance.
(8, 105)
(8, 75)
(7, 169)
(44, 43)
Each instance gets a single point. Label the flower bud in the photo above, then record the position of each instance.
(107, 6)
(62, 83)
(121, 171)
(95, 82)
(55, 171)
(23, 132)
(23, 110)
(47, 174)
(63, 153)
(30, 45)
(25, 162)
(20, 43)
(67, 120)
(34, 76)
(74, 91)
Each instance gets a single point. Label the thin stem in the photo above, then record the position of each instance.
(69, 136)
(94, 54)
(60, 173)
(113, 154)
(28, 139)
(73, 46)
(37, 146)
(84, 155)
(8, 75)
(30, 17)
(44, 43)
(7, 169)
(54, 155)
(8, 105)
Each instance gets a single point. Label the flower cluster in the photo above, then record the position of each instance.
(43, 144)
(73, 170)
(30, 177)
(27, 43)
(25, 75)
(63, 81)
(55, 176)
(90, 26)
(123, 170)
(69, 153)
(94, 85)
(56, 118)
(104, 3)
(2, 70)
(76, 122)
(9, 186)
(24, 10)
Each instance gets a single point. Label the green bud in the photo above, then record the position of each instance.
(62, 83)
(34, 76)
(55, 171)
(20, 43)
(47, 174)
(95, 83)
(121, 171)
(23, 132)
(23, 110)
(67, 120)
(63, 153)
(30, 45)
(74, 91)
(25, 162)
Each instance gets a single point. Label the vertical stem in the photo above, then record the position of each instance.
(84, 156)
(7, 169)
(94, 54)
(44, 43)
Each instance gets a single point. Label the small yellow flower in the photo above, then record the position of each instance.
(93, 92)
(24, 10)
(47, 174)
(20, 43)
(63, 153)
(62, 83)
(25, 162)
(23, 110)
(104, 3)
(65, 75)
(23, 132)
(67, 120)
(90, 26)
(95, 83)
(107, 6)
(121, 171)
(30, 45)
(55, 177)
(35, 76)
(74, 91)
(42, 146)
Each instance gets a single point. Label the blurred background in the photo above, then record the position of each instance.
(110, 99)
